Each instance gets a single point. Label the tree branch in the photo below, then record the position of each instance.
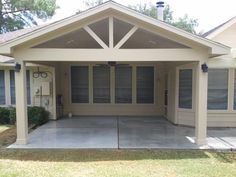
(13, 12)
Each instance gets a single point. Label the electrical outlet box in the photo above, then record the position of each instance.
(46, 89)
(42, 89)
(37, 90)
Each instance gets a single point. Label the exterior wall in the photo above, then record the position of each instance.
(171, 111)
(227, 37)
(186, 116)
(216, 118)
(47, 101)
(225, 118)
(112, 109)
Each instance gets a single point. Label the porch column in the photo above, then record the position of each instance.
(21, 105)
(201, 106)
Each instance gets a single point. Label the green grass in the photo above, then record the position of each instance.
(108, 163)
(76, 163)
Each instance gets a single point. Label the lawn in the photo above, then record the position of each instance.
(4, 127)
(113, 163)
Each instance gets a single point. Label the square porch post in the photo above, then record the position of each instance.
(201, 106)
(21, 105)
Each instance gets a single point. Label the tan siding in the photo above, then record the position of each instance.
(186, 118)
(221, 119)
(227, 37)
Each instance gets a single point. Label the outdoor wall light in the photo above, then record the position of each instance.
(204, 68)
(17, 67)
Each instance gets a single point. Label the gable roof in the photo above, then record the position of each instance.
(5, 59)
(215, 31)
(5, 37)
(5, 48)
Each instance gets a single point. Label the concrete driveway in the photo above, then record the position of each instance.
(124, 132)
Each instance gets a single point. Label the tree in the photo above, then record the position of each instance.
(92, 3)
(16, 14)
(151, 10)
(185, 23)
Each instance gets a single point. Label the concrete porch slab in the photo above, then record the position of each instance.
(125, 133)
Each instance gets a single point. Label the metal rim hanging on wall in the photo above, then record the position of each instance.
(42, 74)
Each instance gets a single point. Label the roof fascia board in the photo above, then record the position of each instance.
(123, 9)
(56, 25)
(221, 29)
(163, 25)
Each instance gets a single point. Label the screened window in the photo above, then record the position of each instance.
(101, 84)
(2, 88)
(185, 88)
(123, 84)
(12, 87)
(28, 87)
(79, 84)
(145, 84)
(218, 89)
(234, 89)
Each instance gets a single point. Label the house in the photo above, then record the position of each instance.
(111, 60)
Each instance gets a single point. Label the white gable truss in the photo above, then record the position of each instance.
(184, 41)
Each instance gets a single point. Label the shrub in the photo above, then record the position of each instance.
(4, 115)
(37, 115)
(12, 115)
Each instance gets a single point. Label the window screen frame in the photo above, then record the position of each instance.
(228, 93)
(193, 88)
(4, 80)
(112, 86)
(28, 87)
(234, 90)
(132, 86)
(89, 84)
(154, 84)
(191, 66)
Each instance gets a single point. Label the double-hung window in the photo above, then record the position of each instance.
(104, 89)
(2, 88)
(185, 88)
(12, 87)
(145, 84)
(123, 84)
(80, 84)
(218, 89)
(234, 89)
(101, 84)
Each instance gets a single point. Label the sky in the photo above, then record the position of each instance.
(210, 13)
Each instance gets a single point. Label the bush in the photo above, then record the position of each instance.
(12, 115)
(36, 115)
(4, 116)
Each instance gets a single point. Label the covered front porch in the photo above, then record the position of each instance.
(120, 132)
(112, 61)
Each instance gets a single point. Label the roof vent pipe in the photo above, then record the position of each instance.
(160, 10)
